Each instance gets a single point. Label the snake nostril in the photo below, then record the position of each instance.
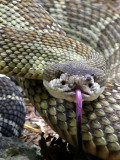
(90, 85)
(63, 82)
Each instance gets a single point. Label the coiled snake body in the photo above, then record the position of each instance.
(30, 41)
(12, 110)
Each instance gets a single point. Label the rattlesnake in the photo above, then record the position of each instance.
(31, 41)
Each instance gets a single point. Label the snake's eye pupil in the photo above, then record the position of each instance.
(63, 82)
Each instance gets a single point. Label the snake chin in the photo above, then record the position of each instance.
(65, 86)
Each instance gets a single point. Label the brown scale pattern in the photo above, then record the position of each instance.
(19, 50)
(40, 20)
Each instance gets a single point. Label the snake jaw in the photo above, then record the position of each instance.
(90, 95)
(64, 87)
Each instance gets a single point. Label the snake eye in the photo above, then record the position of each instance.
(88, 78)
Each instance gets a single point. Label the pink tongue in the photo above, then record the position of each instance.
(79, 117)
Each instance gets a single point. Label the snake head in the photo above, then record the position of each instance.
(61, 81)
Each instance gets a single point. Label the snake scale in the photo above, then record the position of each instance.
(12, 110)
(31, 41)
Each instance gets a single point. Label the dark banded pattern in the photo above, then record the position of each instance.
(12, 110)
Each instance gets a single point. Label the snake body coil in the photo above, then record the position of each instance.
(30, 41)
(12, 111)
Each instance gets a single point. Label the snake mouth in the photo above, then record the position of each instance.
(72, 91)
(83, 92)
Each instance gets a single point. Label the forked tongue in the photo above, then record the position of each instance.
(79, 118)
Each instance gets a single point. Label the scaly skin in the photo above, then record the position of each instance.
(32, 41)
(26, 51)
(12, 108)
